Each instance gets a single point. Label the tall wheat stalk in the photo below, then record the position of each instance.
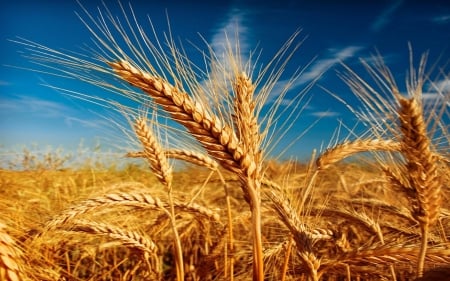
(157, 159)
(421, 180)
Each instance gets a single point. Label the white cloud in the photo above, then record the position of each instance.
(319, 67)
(315, 71)
(323, 114)
(34, 105)
(232, 32)
(85, 123)
(229, 43)
(441, 19)
(383, 19)
(443, 85)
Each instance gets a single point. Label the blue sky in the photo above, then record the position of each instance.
(333, 32)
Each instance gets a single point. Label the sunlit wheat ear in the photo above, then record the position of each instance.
(422, 181)
(135, 200)
(127, 238)
(218, 138)
(10, 260)
(153, 152)
(421, 163)
(422, 168)
(246, 123)
(192, 157)
(346, 149)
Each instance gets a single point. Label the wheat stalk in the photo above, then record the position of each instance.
(216, 137)
(422, 168)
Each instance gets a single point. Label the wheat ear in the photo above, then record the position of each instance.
(153, 152)
(10, 264)
(247, 127)
(422, 168)
(192, 157)
(346, 149)
(128, 238)
(156, 156)
(219, 139)
(139, 200)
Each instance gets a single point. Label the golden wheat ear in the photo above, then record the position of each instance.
(10, 258)
(153, 152)
(218, 138)
(403, 118)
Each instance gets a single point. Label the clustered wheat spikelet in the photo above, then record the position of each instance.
(345, 149)
(219, 139)
(183, 154)
(153, 152)
(126, 237)
(10, 262)
(421, 163)
(246, 124)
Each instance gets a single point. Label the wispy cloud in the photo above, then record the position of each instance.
(442, 19)
(95, 123)
(324, 114)
(315, 71)
(33, 105)
(233, 31)
(46, 109)
(438, 92)
(333, 57)
(383, 19)
(442, 85)
(230, 44)
(4, 83)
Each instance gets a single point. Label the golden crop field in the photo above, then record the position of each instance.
(208, 203)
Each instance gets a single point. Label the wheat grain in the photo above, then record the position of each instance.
(10, 261)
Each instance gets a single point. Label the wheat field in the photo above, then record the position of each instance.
(207, 201)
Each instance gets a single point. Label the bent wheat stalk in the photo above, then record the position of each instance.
(346, 149)
(241, 156)
(155, 155)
